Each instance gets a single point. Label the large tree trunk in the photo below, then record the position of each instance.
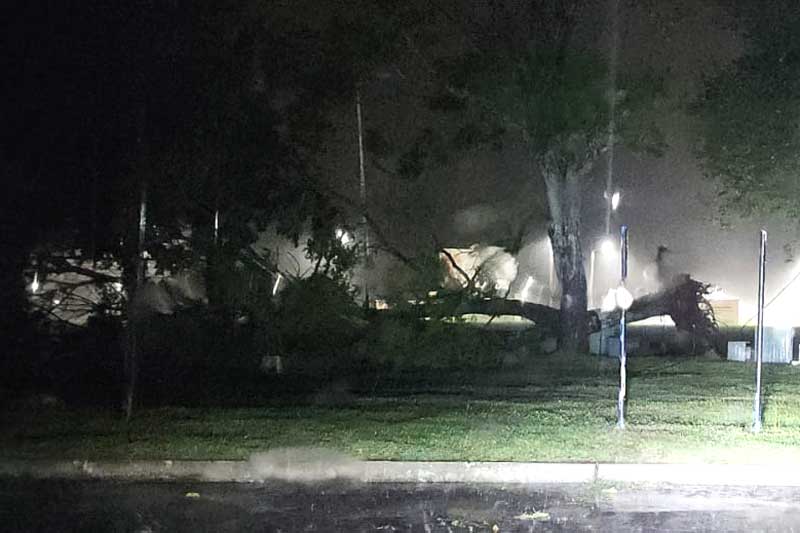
(562, 180)
(573, 326)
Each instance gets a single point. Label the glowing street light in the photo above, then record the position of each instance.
(35, 283)
(607, 248)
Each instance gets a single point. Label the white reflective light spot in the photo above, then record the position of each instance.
(624, 298)
(609, 301)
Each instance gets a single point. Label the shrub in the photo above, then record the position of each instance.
(404, 343)
(317, 316)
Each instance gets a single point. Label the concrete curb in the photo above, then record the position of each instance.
(409, 472)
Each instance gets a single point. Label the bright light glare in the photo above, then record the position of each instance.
(35, 283)
(277, 283)
(528, 285)
(607, 248)
(609, 301)
(615, 201)
(624, 298)
(343, 236)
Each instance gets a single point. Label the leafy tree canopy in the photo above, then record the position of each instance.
(750, 115)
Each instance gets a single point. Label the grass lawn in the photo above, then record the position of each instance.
(558, 409)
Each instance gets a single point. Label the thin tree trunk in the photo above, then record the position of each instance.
(131, 343)
(131, 369)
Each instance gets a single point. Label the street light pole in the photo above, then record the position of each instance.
(612, 107)
(362, 176)
(363, 194)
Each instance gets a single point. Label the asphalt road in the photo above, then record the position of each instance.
(89, 506)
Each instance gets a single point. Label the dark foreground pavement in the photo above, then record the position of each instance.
(87, 506)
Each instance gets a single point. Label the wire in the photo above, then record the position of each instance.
(783, 289)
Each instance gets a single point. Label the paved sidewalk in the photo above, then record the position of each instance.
(300, 466)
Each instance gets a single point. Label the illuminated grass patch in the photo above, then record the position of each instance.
(556, 410)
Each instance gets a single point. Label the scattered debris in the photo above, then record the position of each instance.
(537, 516)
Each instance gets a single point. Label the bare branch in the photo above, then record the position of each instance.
(458, 269)
(60, 265)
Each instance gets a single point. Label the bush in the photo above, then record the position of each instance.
(405, 343)
(318, 316)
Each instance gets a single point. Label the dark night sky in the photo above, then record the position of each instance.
(68, 93)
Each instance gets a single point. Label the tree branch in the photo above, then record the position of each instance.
(60, 265)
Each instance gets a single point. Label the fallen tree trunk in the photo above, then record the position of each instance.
(543, 315)
(684, 301)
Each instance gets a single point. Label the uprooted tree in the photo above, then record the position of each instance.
(556, 97)
(525, 86)
(684, 301)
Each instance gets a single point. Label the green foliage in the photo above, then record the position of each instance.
(545, 93)
(637, 106)
(238, 285)
(427, 149)
(409, 343)
(332, 256)
(405, 283)
(750, 114)
(317, 316)
(551, 96)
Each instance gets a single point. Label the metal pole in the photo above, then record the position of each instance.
(363, 194)
(362, 175)
(623, 378)
(551, 271)
(762, 260)
(612, 105)
(141, 261)
(591, 278)
(216, 226)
